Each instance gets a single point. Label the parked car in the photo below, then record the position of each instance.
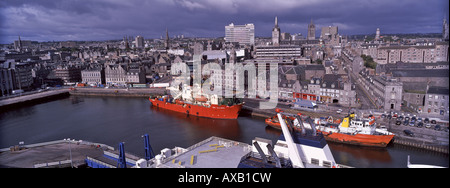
(400, 118)
(398, 122)
(406, 122)
(383, 115)
(411, 123)
(408, 133)
(419, 119)
(420, 124)
(427, 125)
(437, 127)
(426, 120)
(407, 118)
(433, 121)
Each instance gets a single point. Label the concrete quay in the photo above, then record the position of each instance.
(424, 138)
(5, 104)
(118, 92)
(25, 99)
(61, 154)
(54, 154)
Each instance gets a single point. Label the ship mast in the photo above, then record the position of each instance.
(293, 150)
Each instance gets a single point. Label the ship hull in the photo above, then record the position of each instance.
(213, 111)
(276, 125)
(359, 139)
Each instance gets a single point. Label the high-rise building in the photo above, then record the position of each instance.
(276, 34)
(244, 34)
(139, 42)
(329, 32)
(311, 31)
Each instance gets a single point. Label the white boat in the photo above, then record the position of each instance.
(298, 149)
(409, 165)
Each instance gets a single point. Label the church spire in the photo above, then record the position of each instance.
(166, 43)
(276, 21)
(20, 45)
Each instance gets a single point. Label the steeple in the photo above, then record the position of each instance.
(276, 33)
(166, 43)
(20, 44)
(311, 31)
(167, 34)
(276, 21)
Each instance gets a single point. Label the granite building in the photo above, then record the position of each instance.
(93, 76)
(437, 101)
(413, 54)
(243, 34)
(386, 92)
(68, 73)
(116, 74)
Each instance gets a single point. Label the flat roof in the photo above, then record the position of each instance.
(213, 152)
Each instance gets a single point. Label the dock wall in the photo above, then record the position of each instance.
(37, 98)
(148, 92)
(421, 145)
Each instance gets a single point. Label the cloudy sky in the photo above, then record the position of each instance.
(59, 20)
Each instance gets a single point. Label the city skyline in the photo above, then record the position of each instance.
(80, 20)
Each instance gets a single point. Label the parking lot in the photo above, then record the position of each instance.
(434, 133)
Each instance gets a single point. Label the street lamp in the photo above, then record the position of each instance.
(70, 150)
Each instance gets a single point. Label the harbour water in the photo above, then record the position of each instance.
(111, 120)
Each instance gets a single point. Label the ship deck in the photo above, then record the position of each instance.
(213, 152)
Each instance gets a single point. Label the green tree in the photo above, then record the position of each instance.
(369, 62)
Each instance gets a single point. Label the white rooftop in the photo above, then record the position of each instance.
(213, 152)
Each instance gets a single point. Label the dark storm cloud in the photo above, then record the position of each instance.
(44, 20)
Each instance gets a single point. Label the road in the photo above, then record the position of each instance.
(361, 94)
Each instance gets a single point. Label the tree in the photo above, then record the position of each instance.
(369, 62)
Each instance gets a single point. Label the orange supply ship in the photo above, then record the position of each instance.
(357, 132)
(201, 109)
(275, 123)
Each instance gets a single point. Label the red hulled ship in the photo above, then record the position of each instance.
(209, 106)
(351, 130)
(201, 110)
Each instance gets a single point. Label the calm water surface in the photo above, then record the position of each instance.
(113, 120)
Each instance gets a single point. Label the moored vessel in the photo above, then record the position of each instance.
(300, 146)
(357, 131)
(203, 105)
